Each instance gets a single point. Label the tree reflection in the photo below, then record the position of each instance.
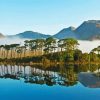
(63, 75)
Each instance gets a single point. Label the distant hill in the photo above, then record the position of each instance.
(65, 33)
(30, 35)
(88, 30)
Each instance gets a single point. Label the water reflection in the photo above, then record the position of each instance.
(63, 75)
(89, 80)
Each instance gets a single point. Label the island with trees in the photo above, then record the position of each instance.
(48, 51)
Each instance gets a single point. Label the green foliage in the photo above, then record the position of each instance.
(77, 55)
(49, 50)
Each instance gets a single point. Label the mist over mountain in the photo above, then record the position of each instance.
(88, 30)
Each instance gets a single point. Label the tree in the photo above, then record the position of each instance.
(32, 46)
(7, 48)
(70, 46)
(40, 45)
(98, 50)
(61, 45)
(19, 51)
(93, 56)
(77, 55)
(13, 49)
(94, 50)
(50, 45)
(1, 50)
(85, 57)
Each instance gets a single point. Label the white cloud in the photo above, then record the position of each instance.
(17, 40)
(87, 46)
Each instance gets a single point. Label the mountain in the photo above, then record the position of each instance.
(30, 35)
(1, 35)
(65, 33)
(88, 30)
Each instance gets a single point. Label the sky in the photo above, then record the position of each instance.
(45, 16)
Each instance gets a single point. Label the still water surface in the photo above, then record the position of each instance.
(67, 83)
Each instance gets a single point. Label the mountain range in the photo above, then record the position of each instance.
(30, 35)
(88, 30)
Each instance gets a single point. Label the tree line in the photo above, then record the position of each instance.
(49, 49)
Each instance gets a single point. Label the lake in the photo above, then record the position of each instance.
(69, 82)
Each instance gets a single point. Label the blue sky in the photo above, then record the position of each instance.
(45, 16)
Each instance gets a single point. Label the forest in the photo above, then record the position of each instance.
(48, 51)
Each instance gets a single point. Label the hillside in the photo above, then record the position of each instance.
(30, 35)
(88, 30)
(65, 33)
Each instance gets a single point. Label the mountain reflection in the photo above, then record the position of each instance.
(89, 80)
(63, 75)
